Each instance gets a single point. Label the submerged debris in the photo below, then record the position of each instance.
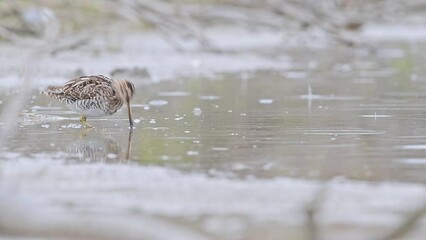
(35, 118)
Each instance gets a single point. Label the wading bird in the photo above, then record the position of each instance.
(94, 96)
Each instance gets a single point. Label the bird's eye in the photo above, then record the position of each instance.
(131, 87)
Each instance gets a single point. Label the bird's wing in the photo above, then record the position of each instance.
(87, 87)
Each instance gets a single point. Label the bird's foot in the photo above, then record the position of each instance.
(83, 120)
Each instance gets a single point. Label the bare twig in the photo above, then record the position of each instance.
(175, 20)
(312, 210)
(11, 111)
(408, 225)
(70, 45)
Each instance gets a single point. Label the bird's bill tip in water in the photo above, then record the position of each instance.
(131, 123)
(129, 110)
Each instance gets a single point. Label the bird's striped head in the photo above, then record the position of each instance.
(125, 89)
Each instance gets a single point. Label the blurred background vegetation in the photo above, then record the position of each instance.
(337, 19)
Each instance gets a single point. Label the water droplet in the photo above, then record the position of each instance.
(71, 125)
(192, 153)
(266, 101)
(197, 112)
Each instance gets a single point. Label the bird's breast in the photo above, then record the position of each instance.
(89, 112)
(89, 108)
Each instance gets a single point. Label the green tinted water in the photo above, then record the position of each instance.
(263, 124)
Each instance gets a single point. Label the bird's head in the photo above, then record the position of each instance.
(125, 91)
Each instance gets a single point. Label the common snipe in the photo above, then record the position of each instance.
(94, 96)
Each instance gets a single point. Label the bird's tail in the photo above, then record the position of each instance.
(53, 91)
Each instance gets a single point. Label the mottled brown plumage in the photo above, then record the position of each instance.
(94, 96)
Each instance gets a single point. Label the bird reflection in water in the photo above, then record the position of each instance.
(93, 146)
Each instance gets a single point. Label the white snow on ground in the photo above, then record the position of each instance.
(44, 196)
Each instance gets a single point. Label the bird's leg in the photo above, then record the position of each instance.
(84, 122)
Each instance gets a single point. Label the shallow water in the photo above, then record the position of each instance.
(250, 125)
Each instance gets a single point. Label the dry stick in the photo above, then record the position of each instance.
(164, 18)
(8, 35)
(10, 113)
(151, 18)
(312, 210)
(305, 14)
(408, 225)
(71, 45)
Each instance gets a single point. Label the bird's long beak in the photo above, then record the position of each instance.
(129, 112)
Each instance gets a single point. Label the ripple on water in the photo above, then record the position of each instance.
(296, 75)
(173, 94)
(266, 101)
(376, 116)
(329, 97)
(219, 149)
(139, 105)
(158, 102)
(209, 97)
(412, 147)
(414, 161)
(342, 132)
(192, 153)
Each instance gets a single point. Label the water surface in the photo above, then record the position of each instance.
(260, 124)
